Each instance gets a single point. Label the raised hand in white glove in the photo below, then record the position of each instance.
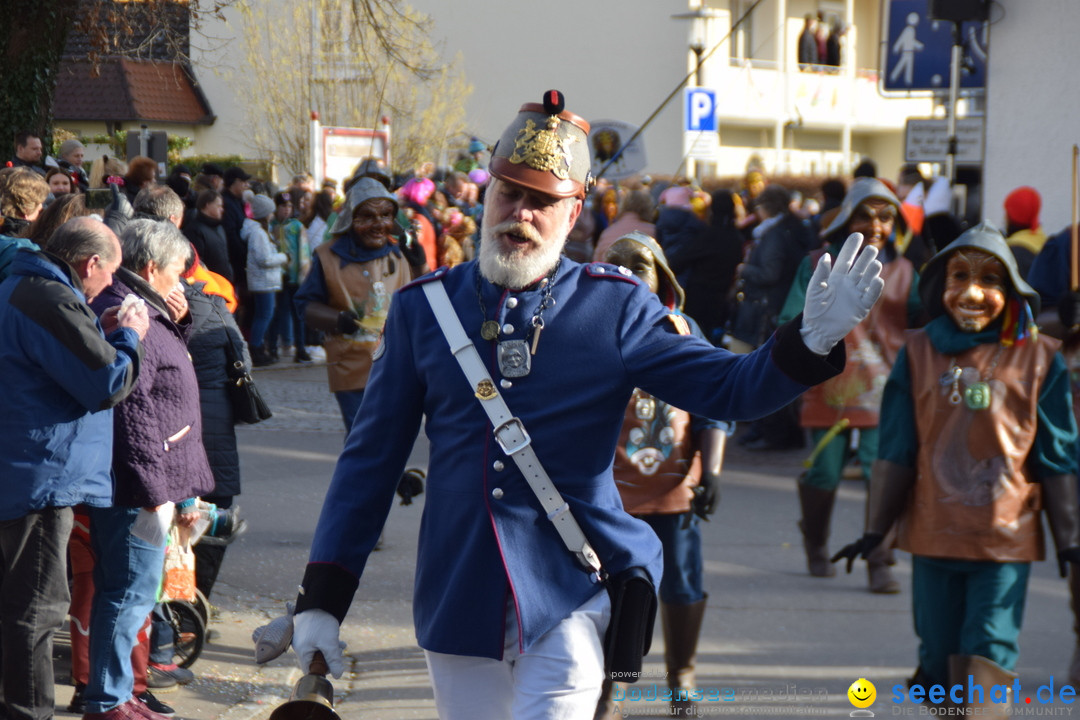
(840, 294)
(317, 630)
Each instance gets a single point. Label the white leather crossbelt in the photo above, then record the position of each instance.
(510, 433)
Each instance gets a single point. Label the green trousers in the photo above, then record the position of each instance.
(829, 463)
(967, 607)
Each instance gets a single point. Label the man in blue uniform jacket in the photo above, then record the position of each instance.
(510, 624)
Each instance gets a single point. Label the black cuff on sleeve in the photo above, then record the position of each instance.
(327, 587)
(798, 362)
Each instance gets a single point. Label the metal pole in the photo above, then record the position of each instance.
(1074, 245)
(785, 75)
(954, 93)
(692, 167)
(316, 149)
(673, 93)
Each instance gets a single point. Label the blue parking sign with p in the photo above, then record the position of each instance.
(700, 110)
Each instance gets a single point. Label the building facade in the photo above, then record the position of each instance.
(623, 60)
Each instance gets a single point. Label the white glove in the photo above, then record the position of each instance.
(840, 296)
(318, 630)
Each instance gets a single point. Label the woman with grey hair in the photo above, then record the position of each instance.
(70, 161)
(158, 461)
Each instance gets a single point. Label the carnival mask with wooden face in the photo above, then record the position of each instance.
(638, 259)
(875, 219)
(975, 289)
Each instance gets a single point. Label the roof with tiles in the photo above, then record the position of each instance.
(125, 90)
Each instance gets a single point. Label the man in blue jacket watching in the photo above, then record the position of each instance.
(64, 371)
(511, 625)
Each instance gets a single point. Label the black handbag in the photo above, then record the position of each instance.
(629, 634)
(247, 402)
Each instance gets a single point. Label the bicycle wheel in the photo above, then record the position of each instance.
(202, 605)
(189, 631)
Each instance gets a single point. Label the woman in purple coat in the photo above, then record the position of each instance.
(158, 460)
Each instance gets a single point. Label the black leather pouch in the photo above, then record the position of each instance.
(633, 613)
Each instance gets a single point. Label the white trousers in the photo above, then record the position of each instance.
(559, 678)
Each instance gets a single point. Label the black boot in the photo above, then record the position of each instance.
(208, 560)
(879, 567)
(260, 358)
(682, 627)
(817, 506)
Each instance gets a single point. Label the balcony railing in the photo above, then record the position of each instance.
(756, 92)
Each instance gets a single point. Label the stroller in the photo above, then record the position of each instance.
(184, 608)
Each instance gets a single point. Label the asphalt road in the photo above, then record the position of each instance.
(777, 641)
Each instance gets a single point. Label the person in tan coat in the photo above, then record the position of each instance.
(850, 402)
(348, 290)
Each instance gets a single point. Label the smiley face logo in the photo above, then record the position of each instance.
(862, 693)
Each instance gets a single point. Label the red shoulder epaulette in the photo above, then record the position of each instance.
(611, 272)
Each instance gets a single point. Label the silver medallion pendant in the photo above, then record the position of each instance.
(514, 359)
(977, 396)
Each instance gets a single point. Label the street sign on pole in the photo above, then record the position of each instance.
(702, 145)
(927, 140)
(700, 109)
(617, 149)
(341, 149)
(701, 139)
(917, 52)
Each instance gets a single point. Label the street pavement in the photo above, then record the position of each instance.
(776, 642)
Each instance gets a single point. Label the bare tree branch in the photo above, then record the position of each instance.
(350, 74)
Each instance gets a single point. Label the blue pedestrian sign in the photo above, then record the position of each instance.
(700, 110)
(918, 50)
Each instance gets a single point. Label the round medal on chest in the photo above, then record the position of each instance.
(489, 330)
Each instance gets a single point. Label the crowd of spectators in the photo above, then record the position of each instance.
(162, 279)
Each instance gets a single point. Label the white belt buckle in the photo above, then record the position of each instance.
(515, 442)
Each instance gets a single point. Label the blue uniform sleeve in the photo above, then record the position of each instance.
(693, 375)
(898, 440)
(700, 422)
(1055, 448)
(367, 473)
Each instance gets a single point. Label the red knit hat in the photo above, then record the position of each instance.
(1022, 207)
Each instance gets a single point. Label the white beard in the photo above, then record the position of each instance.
(518, 267)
